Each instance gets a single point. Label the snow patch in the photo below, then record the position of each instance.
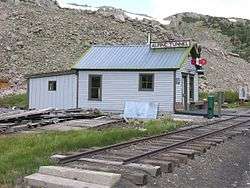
(164, 22)
(141, 17)
(131, 15)
(232, 20)
(62, 4)
(137, 16)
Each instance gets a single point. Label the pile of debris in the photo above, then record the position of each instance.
(15, 121)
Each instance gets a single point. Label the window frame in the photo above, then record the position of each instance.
(191, 90)
(90, 87)
(51, 82)
(140, 81)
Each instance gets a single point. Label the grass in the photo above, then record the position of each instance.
(17, 100)
(22, 154)
(246, 104)
(232, 105)
(231, 98)
(237, 105)
(161, 125)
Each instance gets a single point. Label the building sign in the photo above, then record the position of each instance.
(171, 44)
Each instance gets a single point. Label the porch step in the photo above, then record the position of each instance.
(38, 180)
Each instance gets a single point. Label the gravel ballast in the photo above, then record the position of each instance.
(226, 165)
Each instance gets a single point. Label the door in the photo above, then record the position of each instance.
(184, 91)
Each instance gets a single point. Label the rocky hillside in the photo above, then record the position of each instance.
(233, 34)
(36, 39)
(226, 45)
(36, 36)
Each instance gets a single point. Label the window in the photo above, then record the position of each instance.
(191, 87)
(146, 82)
(52, 85)
(95, 87)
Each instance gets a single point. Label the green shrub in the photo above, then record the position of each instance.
(231, 96)
(203, 95)
(18, 100)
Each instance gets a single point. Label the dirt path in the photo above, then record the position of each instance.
(227, 165)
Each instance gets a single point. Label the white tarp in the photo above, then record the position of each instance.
(243, 92)
(140, 110)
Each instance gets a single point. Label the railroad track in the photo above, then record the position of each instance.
(154, 155)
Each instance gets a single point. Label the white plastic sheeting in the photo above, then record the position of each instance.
(140, 110)
(243, 92)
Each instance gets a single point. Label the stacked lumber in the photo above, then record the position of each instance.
(24, 120)
(24, 115)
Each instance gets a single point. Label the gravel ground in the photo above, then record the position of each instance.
(226, 165)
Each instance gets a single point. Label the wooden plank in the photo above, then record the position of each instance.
(180, 137)
(181, 158)
(24, 115)
(207, 142)
(166, 166)
(134, 177)
(152, 170)
(188, 152)
(214, 140)
(113, 157)
(147, 148)
(173, 160)
(106, 162)
(220, 137)
(206, 146)
(88, 176)
(198, 150)
(124, 153)
(172, 140)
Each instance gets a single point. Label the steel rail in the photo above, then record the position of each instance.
(241, 115)
(154, 152)
(75, 157)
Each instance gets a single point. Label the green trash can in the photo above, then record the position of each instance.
(210, 107)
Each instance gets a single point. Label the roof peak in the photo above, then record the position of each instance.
(135, 45)
(120, 45)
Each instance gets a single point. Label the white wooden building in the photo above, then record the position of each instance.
(109, 75)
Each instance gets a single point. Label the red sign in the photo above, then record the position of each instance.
(202, 61)
(199, 62)
(193, 61)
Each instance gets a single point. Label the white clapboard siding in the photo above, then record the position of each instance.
(121, 86)
(196, 88)
(63, 98)
(178, 86)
